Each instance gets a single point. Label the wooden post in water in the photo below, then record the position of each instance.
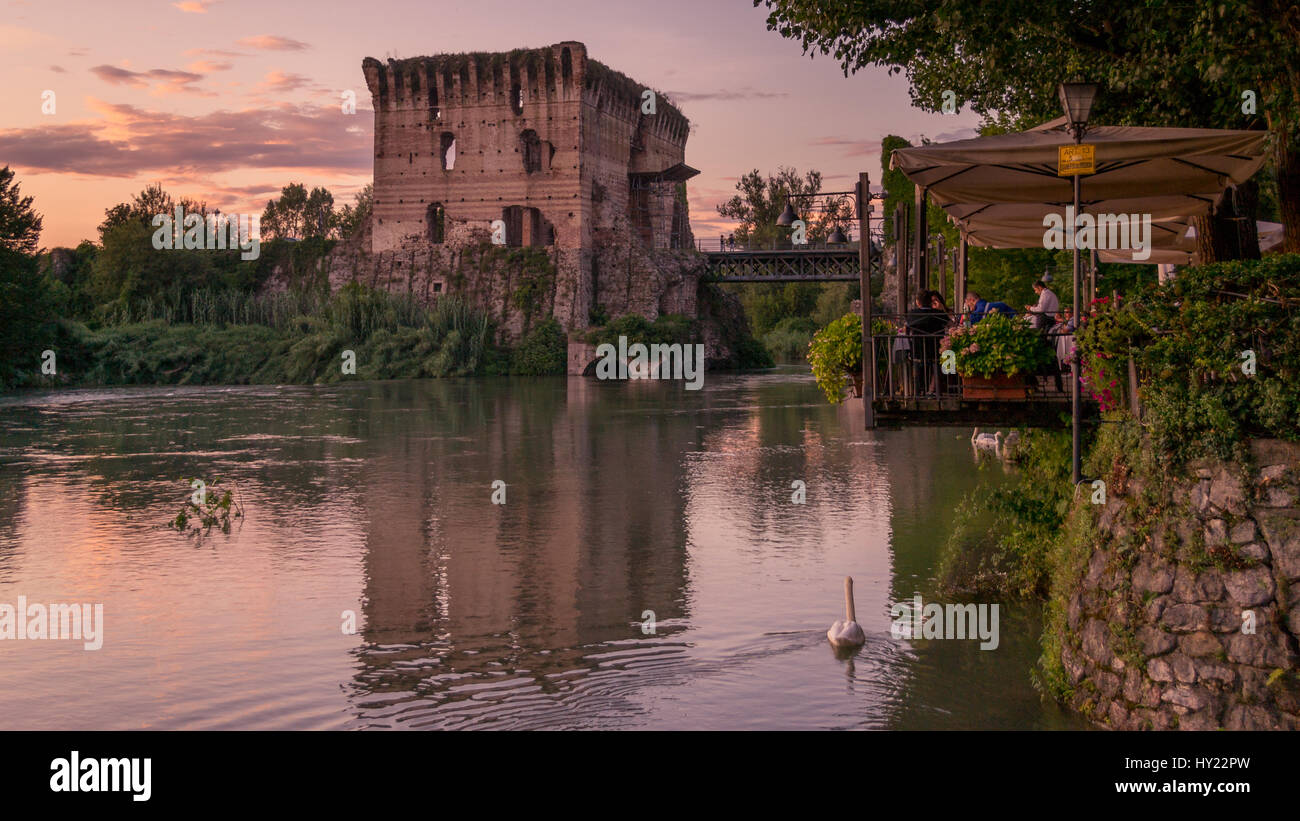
(864, 291)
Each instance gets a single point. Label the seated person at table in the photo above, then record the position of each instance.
(927, 324)
(979, 308)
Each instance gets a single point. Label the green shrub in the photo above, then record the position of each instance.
(834, 353)
(26, 318)
(543, 352)
(392, 338)
(1193, 341)
(997, 345)
(667, 329)
(751, 355)
(788, 341)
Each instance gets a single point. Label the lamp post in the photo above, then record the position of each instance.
(861, 198)
(1076, 99)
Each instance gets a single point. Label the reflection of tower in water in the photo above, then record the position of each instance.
(590, 536)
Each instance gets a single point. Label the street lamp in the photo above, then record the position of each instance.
(788, 216)
(1076, 99)
(837, 237)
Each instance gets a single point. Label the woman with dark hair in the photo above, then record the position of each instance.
(926, 324)
(937, 303)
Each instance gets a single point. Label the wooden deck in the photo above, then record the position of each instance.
(1044, 412)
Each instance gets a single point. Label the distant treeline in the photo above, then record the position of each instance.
(120, 311)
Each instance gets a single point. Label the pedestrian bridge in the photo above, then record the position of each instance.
(810, 263)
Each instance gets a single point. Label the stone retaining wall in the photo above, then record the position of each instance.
(1159, 626)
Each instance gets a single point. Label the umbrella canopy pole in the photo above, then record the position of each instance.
(959, 287)
(1076, 410)
(922, 270)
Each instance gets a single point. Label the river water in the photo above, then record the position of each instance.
(376, 498)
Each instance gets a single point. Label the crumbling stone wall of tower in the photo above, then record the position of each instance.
(557, 147)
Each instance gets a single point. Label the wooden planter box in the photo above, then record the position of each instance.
(993, 387)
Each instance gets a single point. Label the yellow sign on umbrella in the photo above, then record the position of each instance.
(1076, 159)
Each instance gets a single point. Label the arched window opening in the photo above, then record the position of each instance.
(435, 223)
(526, 227)
(516, 91)
(431, 85)
(531, 147)
(447, 150)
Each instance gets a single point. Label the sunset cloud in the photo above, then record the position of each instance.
(209, 66)
(280, 82)
(162, 81)
(852, 148)
(272, 42)
(213, 52)
(725, 95)
(195, 6)
(129, 141)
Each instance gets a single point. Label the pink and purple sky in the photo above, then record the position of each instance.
(229, 100)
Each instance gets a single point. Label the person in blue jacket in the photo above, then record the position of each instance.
(978, 308)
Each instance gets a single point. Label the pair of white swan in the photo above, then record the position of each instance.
(993, 441)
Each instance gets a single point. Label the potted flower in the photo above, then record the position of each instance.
(835, 354)
(994, 356)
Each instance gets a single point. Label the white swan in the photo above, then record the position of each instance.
(847, 634)
(990, 441)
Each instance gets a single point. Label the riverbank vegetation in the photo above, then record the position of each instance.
(121, 312)
(783, 316)
(1217, 356)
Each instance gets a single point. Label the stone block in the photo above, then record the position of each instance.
(1154, 642)
(1250, 588)
(1242, 532)
(1200, 643)
(1192, 698)
(1185, 618)
(1282, 532)
(1206, 586)
(1096, 641)
(1160, 669)
(1153, 575)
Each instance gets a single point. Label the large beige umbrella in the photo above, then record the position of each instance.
(998, 189)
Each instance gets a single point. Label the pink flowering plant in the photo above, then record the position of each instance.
(997, 345)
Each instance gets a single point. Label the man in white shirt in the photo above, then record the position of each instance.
(1046, 308)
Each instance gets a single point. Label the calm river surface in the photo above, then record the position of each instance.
(376, 498)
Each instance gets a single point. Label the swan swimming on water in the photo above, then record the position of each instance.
(990, 441)
(847, 634)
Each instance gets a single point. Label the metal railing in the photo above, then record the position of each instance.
(908, 361)
(725, 245)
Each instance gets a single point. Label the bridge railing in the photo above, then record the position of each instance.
(724, 245)
(908, 362)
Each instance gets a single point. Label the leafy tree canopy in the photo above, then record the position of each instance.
(20, 226)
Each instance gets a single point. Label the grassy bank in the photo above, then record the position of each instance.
(297, 337)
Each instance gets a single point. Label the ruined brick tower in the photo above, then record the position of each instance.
(556, 146)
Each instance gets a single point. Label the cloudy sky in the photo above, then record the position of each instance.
(228, 100)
